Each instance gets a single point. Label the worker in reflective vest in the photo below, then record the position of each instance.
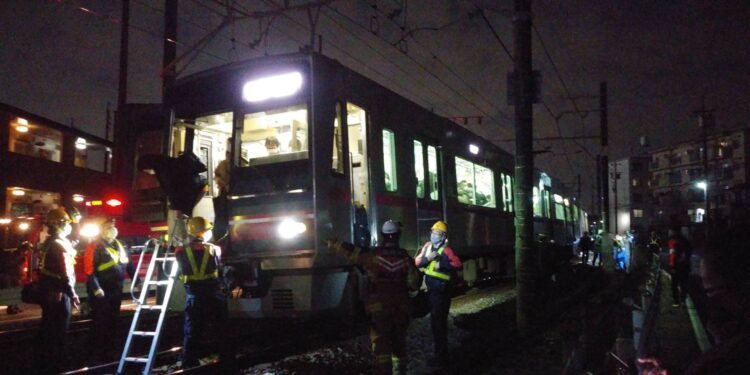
(205, 302)
(106, 263)
(439, 264)
(391, 275)
(56, 281)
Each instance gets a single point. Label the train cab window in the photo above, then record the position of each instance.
(507, 192)
(475, 184)
(419, 168)
(274, 136)
(148, 142)
(30, 139)
(337, 163)
(432, 170)
(389, 160)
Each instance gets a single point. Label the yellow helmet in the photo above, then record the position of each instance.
(58, 216)
(198, 225)
(440, 226)
(105, 222)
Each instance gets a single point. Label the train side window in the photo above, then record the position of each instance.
(337, 162)
(432, 170)
(475, 184)
(389, 160)
(419, 168)
(537, 203)
(507, 192)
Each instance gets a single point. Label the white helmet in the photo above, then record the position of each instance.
(391, 227)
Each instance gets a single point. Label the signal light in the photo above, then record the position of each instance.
(114, 202)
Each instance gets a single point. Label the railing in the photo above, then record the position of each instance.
(648, 314)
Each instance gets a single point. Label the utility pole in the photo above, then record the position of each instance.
(604, 160)
(524, 219)
(169, 69)
(122, 89)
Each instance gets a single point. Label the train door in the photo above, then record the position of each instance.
(208, 138)
(356, 121)
(428, 191)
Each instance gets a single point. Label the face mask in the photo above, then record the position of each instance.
(68, 229)
(110, 234)
(436, 239)
(207, 236)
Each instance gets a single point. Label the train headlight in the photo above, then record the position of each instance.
(290, 228)
(89, 230)
(277, 86)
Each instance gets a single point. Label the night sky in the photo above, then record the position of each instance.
(658, 57)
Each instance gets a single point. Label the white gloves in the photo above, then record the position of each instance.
(430, 254)
(99, 293)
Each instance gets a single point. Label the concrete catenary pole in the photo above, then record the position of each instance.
(524, 220)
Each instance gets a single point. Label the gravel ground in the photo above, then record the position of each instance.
(480, 337)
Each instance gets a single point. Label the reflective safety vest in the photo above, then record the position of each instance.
(199, 274)
(118, 257)
(430, 270)
(68, 255)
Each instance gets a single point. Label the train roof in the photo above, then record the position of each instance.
(185, 93)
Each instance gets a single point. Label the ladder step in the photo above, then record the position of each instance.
(144, 333)
(151, 307)
(165, 259)
(136, 359)
(163, 282)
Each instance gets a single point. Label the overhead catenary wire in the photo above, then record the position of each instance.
(423, 68)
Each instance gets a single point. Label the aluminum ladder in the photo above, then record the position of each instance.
(169, 266)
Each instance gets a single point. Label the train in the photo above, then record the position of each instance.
(319, 151)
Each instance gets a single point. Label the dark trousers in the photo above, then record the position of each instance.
(105, 315)
(388, 339)
(585, 256)
(440, 303)
(49, 356)
(597, 255)
(679, 285)
(203, 307)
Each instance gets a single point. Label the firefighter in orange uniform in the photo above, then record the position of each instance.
(106, 263)
(439, 264)
(391, 275)
(205, 301)
(57, 279)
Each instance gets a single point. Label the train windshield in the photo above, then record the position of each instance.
(274, 136)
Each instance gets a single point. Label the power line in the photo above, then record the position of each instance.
(421, 66)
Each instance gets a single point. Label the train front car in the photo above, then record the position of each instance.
(275, 242)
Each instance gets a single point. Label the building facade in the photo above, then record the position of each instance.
(683, 193)
(629, 194)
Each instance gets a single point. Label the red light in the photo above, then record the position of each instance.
(114, 202)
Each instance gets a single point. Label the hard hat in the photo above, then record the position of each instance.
(440, 226)
(105, 222)
(391, 227)
(198, 225)
(58, 216)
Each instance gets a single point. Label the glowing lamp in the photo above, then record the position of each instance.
(474, 149)
(80, 143)
(114, 202)
(272, 87)
(19, 192)
(289, 228)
